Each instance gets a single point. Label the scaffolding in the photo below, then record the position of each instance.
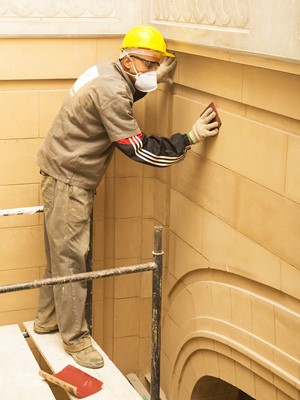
(155, 266)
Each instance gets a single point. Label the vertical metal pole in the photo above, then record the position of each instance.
(156, 313)
(89, 284)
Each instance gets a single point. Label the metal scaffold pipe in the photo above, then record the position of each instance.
(21, 211)
(86, 276)
(156, 314)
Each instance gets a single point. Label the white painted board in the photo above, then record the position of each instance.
(19, 370)
(115, 385)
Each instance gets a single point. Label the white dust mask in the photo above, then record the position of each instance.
(146, 81)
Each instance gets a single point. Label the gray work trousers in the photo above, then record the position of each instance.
(67, 213)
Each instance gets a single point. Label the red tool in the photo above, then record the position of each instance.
(74, 380)
(217, 117)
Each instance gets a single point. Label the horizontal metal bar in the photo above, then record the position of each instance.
(85, 276)
(21, 211)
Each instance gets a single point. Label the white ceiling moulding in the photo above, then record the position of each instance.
(19, 18)
(267, 28)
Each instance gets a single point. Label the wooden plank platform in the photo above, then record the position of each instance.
(115, 385)
(19, 370)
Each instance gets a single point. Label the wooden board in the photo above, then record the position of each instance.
(19, 370)
(115, 385)
(137, 384)
(162, 395)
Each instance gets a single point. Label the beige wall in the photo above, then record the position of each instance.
(232, 261)
(230, 213)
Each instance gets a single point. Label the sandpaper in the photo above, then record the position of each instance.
(217, 117)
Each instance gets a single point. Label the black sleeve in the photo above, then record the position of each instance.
(155, 150)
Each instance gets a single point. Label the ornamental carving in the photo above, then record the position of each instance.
(57, 9)
(224, 13)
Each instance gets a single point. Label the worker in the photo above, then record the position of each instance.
(95, 118)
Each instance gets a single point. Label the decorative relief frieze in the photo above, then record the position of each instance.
(41, 18)
(253, 26)
(222, 13)
(20, 9)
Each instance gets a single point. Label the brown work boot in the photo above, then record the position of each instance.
(42, 330)
(88, 357)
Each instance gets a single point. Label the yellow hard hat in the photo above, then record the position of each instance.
(145, 37)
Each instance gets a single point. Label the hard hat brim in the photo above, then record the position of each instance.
(166, 54)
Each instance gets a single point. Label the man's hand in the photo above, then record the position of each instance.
(166, 70)
(203, 127)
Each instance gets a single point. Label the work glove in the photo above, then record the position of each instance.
(203, 127)
(166, 70)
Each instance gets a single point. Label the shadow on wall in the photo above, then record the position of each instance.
(210, 388)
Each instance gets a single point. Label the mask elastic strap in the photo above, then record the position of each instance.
(129, 73)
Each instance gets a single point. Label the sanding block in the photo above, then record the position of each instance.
(217, 117)
(74, 380)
